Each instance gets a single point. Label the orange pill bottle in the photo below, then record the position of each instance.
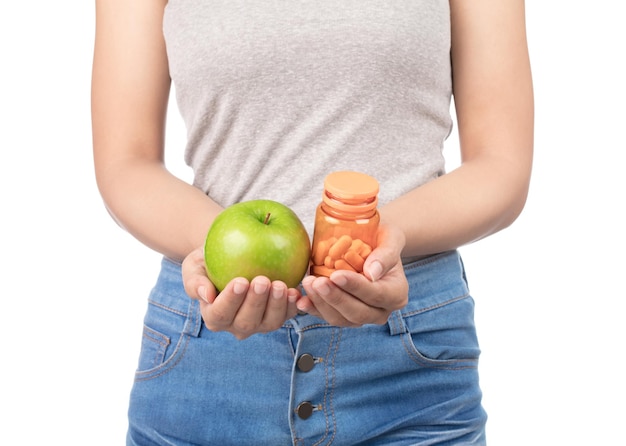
(346, 223)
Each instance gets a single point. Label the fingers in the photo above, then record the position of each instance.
(351, 299)
(390, 292)
(332, 303)
(387, 253)
(244, 309)
(345, 299)
(281, 305)
(240, 307)
(197, 284)
(220, 315)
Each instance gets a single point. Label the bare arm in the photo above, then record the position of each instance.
(130, 91)
(494, 103)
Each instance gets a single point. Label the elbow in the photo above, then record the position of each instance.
(514, 205)
(514, 212)
(107, 200)
(112, 184)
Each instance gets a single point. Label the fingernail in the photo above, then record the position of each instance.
(375, 270)
(260, 287)
(339, 280)
(292, 296)
(301, 306)
(239, 287)
(277, 292)
(202, 293)
(322, 289)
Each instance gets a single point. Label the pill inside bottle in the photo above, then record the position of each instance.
(346, 223)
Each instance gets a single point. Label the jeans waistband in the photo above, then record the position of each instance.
(433, 281)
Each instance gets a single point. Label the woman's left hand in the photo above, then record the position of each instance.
(351, 299)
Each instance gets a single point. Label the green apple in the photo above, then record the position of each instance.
(257, 238)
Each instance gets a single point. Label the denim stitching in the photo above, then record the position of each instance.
(195, 318)
(179, 353)
(180, 350)
(310, 327)
(290, 341)
(160, 339)
(434, 363)
(416, 356)
(396, 323)
(164, 307)
(332, 391)
(332, 387)
(439, 305)
(326, 390)
(156, 336)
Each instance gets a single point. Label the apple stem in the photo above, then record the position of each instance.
(267, 218)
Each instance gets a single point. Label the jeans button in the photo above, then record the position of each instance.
(304, 410)
(306, 363)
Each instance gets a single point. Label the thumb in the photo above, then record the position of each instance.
(373, 269)
(386, 255)
(195, 280)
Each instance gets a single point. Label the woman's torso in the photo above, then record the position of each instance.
(277, 94)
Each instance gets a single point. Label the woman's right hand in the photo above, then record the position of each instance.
(243, 307)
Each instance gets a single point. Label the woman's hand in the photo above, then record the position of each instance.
(243, 308)
(352, 299)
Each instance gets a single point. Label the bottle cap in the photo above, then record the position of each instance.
(351, 191)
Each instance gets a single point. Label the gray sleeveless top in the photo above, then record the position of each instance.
(275, 94)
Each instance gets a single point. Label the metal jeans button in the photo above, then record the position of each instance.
(304, 410)
(306, 362)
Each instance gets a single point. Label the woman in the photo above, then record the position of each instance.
(275, 96)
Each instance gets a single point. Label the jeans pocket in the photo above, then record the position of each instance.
(444, 336)
(153, 348)
(166, 334)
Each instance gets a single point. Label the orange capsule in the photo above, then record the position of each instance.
(365, 250)
(321, 270)
(340, 247)
(355, 260)
(356, 245)
(342, 264)
(329, 262)
(321, 250)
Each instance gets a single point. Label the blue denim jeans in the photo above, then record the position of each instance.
(412, 381)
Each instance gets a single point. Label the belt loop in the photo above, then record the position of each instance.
(194, 319)
(396, 323)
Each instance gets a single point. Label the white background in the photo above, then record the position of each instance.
(549, 290)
